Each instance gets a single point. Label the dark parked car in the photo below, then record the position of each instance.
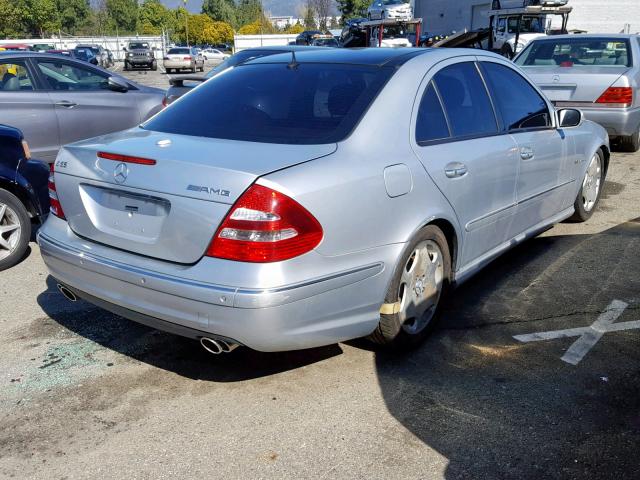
(24, 196)
(86, 55)
(306, 37)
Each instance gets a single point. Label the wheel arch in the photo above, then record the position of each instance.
(21, 194)
(607, 156)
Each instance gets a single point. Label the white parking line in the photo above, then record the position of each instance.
(589, 336)
(116, 67)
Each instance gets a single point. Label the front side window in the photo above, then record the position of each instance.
(502, 25)
(431, 123)
(14, 76)
(519, 104)
(65, 76)
(274, 103)
(466, 100)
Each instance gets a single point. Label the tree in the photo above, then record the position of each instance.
(38, 16)
(353, 8)
(122, 15)
(248, 12)
(258, 27)
(294, 29)
(309, 15)
(73, 14)
(11, 23)
(220, 10)
(322, 9)
(153, 17)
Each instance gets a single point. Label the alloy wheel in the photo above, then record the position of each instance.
(420, 287)
(10, 231)
(592, 183)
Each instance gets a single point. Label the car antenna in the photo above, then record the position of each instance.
(293, 64)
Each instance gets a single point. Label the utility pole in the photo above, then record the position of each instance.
(186, 21)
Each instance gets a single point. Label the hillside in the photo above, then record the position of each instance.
(275, 7)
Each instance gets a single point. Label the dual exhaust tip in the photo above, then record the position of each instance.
(211, 345)
(217, 346)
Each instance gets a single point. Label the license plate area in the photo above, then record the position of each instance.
(123, 214)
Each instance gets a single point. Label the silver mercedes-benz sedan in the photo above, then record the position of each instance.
(329, 195)
(598, 73)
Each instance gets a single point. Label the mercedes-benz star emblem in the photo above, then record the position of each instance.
(121, 172)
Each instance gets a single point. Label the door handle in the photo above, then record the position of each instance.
(526, 153)
(66, 104)
(455, 169)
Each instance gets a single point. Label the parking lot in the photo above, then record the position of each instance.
(86, 394)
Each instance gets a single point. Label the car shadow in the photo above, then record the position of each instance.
(173, 353)
(497, 408)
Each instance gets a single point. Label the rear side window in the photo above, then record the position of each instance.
(14, 76)
(431, 123)
(273, 103)
(466, 100)
(519, 104)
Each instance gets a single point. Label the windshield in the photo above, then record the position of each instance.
(528, 25)
(325, 42)
(179, 51)
(138, 46)
(577, 52)
(268, 102)
(394, 2)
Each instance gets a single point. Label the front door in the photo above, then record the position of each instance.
(84, 105)
(475, 166)
(545, 174)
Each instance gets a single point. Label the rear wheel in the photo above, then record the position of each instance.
(630, 143)
(154, 66)
(412, 302)
(15, 230)
(126, 66)
(589, 194)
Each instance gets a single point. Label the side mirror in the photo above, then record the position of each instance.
(117, 85)
(569, 117)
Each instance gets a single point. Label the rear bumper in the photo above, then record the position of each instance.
(619, 122)
(321, 311)
(178, 64)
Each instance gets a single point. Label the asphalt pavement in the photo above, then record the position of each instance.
(86, 394)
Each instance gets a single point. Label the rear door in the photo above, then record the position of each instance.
(84, 106)
(545, 176)
(24, 106)
(458, 140)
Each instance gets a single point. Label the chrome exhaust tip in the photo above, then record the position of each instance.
(68, 294)
(217, 347)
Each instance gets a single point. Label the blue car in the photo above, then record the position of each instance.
(24, 196)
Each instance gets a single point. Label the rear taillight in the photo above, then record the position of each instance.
(617, 97)
(187, 58)
(265, 226)
(54, 202)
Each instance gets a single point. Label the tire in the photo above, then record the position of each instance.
(202, 67)
(589, 195)
(506, 51)
(154, 66)
(126, 67)
(630, 143)
(14, 242)
(418, 275)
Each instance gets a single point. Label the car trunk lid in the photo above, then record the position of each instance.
(170, 209)
(575, 84)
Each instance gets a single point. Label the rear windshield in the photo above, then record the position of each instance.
(238, 58)
(272, 103)
(178, 51)
(577, 52)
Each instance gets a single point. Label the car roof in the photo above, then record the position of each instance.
(354, 56)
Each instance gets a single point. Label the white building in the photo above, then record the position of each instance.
(596, 16)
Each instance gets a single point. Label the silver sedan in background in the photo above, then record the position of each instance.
(329, 195)
(57, 100)
(598, 73)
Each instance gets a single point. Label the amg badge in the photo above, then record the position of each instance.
(209, 190)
